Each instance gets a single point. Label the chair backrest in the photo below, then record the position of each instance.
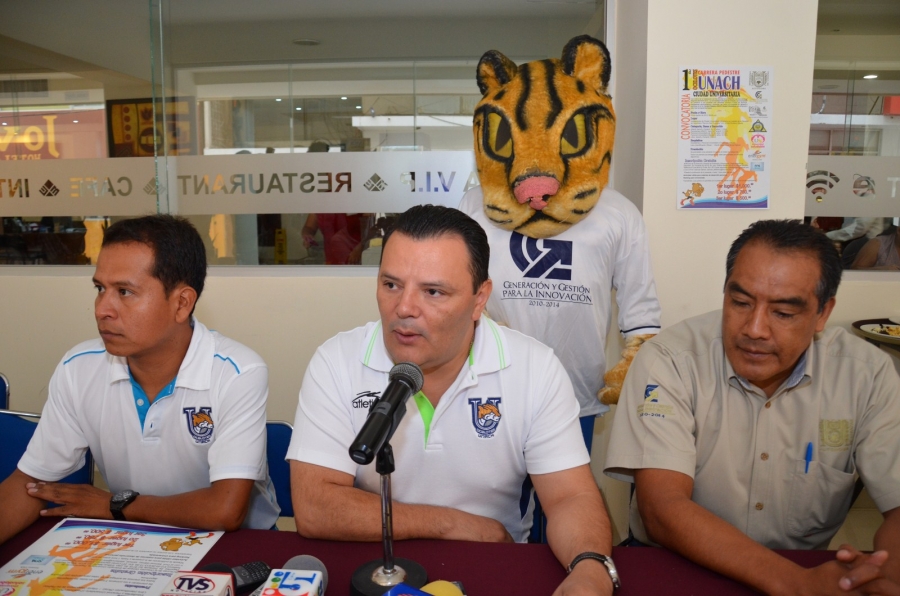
(278, 439)
(16, 430)
(4, 392)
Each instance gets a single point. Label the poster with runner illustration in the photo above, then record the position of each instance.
(91, 556)
(724, 137)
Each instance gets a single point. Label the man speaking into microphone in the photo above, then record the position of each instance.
(496, 407)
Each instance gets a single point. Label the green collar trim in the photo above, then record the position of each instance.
(371, 343)
(426, 411)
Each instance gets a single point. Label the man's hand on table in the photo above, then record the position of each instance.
(75, 500)
(866, 572)
(588, 578)
(476, 528)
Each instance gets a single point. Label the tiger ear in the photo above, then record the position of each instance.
(494, 71)
(587, 59)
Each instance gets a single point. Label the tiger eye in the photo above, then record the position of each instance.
(499, 135)
(574, 136)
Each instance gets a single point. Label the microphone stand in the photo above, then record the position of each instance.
(378, 576)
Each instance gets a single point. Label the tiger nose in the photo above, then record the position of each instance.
(535, 190)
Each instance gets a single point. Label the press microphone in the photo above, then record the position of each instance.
(246, 577)
(301, 568)
(386, 412)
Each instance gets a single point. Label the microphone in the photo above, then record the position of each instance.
(246, 577)
(282, 579)
(386, 412)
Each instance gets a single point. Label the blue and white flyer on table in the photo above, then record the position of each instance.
(92, 556)
(724, 137)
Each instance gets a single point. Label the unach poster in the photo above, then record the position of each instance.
(724, 137)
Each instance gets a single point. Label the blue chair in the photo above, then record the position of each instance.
(278, 439)
(16, 430)
(4, 392)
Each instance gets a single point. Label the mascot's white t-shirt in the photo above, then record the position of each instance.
(557, 289)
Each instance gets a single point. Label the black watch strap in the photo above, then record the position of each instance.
(119, 501)
(605, 560)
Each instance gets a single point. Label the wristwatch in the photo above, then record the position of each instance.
(607, 562)
(119, 501)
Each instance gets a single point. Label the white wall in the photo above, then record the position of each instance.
(283, 314)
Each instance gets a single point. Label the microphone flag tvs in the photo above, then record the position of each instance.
(372, 442)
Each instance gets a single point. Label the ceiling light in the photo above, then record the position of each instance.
(306, 41)
(75, 121)
(358, 107)
(277, 99)
(870, 76)
(343, 97)
(298, 109)
(4, 124)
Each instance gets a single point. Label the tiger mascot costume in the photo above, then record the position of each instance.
(560, 240)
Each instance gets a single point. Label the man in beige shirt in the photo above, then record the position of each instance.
(744, 429)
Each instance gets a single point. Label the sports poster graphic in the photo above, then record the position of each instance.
(90, 556)
(724, 137)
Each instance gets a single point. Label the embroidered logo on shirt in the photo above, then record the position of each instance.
(486, 417)
(365, 399)
(200, 424)
(651, 407)
(835, 435)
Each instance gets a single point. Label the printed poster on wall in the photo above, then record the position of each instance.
(724, 137)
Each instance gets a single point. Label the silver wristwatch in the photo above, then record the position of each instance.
(607, 562)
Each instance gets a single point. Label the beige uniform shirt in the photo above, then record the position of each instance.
(684, 409)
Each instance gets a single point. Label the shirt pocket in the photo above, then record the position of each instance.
(819, 499)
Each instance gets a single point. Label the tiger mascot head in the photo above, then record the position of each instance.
(544, 137)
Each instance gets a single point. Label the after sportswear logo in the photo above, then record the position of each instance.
(364, 399)
(541, 258)
(200, 424)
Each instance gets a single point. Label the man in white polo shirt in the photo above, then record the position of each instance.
(495, 407)
(744, 429)
(173, 413)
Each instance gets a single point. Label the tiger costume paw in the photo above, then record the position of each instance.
(614, 378)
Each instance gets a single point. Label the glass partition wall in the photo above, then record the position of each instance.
(289, 133)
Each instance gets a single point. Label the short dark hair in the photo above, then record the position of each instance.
(423, 222)
(178, 252)
(794, 235)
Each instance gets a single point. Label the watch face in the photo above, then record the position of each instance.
(124, 496)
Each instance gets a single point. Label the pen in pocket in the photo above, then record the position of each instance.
(809, 454)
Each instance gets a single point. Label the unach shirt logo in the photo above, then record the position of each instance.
(541, 258)
(485, 418)
(200, 424)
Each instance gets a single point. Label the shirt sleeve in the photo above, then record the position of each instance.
(878, 439)
(239, 448)
(323, 427)
(554, 441)
(639, 311)
(59, 445)
(654, 423)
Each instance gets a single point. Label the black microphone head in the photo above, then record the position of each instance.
(308, 563)
(409, 372)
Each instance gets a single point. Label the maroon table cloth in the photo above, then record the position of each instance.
(484, 569)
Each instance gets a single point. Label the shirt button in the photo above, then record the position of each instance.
(759, 506)
(140, 402)
(768, 404)
(764, 456)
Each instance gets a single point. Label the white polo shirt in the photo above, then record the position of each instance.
(209, 426)
(558, 289)
(470, 459)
